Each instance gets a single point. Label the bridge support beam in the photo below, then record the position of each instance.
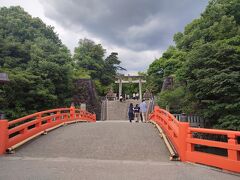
(3, 136)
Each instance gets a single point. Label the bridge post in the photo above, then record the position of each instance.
(58, 116)
(72, 112)
(232, 154)
(3, 136)
(182, 140)
(39, 117)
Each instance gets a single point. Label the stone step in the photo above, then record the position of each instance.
(117, 110)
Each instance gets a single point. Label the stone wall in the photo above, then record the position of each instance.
(167, 83)
(85, 92)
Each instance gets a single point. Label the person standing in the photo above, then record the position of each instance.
(143, 110)
(130, 112)
(121, 98)
(137, 96)
(136, 112)
(134, 96)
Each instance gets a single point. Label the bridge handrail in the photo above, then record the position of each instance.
(169, 124)
(181, 136)
(214, 131)
(18, 130)
(36, 114)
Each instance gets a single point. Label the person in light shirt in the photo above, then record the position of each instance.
(134, 96)
(143, 110)
(121, 98)
(137, 96)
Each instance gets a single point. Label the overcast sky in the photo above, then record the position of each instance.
(139, 30)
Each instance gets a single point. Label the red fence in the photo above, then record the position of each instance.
(185, 142)
(19, 130)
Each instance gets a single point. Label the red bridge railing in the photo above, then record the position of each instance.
(183, 138)
(19, 130)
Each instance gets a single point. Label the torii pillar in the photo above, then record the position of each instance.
(120, 88)
(140, 89)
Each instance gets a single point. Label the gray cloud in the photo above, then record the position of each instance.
(138, 25)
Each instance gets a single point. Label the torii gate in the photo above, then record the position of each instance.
(130, 79)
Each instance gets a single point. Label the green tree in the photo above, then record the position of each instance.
(89, 57)
(213, 62)
(155, 76)
(169, 64)
(206, 62)
(111, 66)
(38, 64)
(205, 65)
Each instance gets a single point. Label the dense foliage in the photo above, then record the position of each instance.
(41, 70)
(89, 57)
(205, 65)
(38, 64)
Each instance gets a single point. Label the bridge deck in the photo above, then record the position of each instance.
(101, 140)
(102, 150)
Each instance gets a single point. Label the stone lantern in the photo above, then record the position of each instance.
(3, 79)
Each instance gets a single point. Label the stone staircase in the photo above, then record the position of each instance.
(117, 110)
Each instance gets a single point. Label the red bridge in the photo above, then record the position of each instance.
(15, 133)
(181, 136)
(113, 149)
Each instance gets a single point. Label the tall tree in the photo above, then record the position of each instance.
(38, 64)
(89, 56)
(213, 63)
(210, 69)
(111, 66)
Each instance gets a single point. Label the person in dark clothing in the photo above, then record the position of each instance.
(130, 112)
(136, 112)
